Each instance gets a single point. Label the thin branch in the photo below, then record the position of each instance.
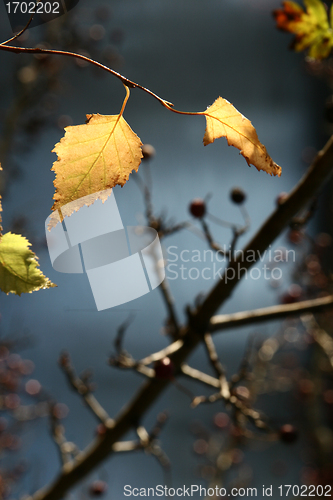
(244, 367)
(314, 179)
(23, 29)
(199, 376)
(220, 222)
(213, 245)
(83, 390)
(125, 360)
(170, 305)
(235, 320)
(124, 446)
(66, 448)
(128, 83)
(118, 343)
(322, 338)
(198, 400)
(100, 449)
(217, 366)
(167, 351)
(158, 224)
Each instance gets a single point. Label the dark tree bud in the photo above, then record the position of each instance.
(237, 195)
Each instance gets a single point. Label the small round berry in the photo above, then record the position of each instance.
(98, 488)
(148, 151)
(288, 433)
(292, 295)
(237, 195)
(295, 237)
(197, 208)
(100, 430)
(164, 369)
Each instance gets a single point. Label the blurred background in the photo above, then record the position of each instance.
(189, 52)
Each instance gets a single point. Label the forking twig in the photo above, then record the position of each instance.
(84, 391)
(23, 29)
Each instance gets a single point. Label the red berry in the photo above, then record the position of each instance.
(98, 488)
(292, 295)
(295, 236)
(148, 151)
(288, 433)
(237, 195)
(198, 208)
(164, 369)
(100, 430)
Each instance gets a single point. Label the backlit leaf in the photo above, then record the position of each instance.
(311, 27)
(94, 157)
(19, 268)
(0, 214)
(223, 120)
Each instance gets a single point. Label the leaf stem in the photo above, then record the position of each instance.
(123, 79)
(125, 101)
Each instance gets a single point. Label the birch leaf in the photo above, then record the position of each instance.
(94, 157)
(0, 213)
(223, 120)
(19, 268)
(311, 27)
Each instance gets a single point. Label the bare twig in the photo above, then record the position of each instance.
(118, 343)
(199, 376)
(66, 448)
(235, 320)
(23, 29)
(315, 178)
(213, 245)
(125, 360)
(128, 83)
(322, 338)
(83, 390)
(244, 368)
(167, 351)
(216, 364)
(147, 442)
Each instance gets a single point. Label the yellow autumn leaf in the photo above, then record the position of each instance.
(223, 120)
(94, 157)
(0, 211)
(19, 268)
(311, 27)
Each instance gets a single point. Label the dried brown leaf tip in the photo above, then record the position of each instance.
(224, 120)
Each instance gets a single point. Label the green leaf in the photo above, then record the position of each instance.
(312, 27)
(19, 268)
(317, 13)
